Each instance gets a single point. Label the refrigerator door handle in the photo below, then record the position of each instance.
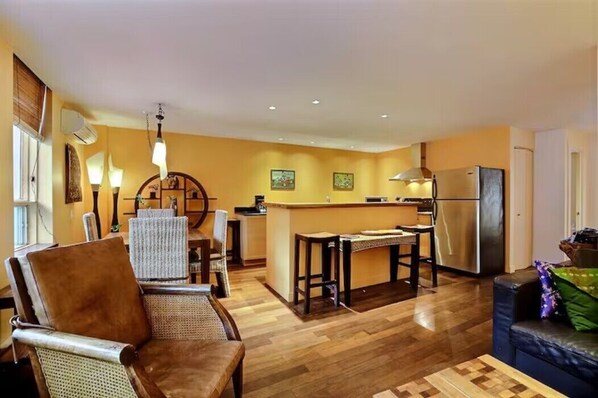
(434, 212)
(434, 188)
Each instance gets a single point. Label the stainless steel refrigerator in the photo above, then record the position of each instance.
(469, 219)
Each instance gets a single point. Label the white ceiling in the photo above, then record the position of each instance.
(436, 67)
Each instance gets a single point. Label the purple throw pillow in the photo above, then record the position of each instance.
(551, 303)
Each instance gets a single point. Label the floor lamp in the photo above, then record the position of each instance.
(95, 171)
(116, 177)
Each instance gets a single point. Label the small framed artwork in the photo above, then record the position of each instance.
(282, 179)
(73, 192)
(342, 181)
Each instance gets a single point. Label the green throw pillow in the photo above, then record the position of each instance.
(579, 289)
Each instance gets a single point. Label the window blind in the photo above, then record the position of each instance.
(29, 99)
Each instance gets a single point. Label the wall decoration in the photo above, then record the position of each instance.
(342, 181)
(73, 192)
(282, 179)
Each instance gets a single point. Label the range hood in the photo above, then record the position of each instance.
(418, 172)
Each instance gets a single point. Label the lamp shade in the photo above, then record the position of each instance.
(95, 168)
(116, 177)
(163, 171)
(159, 154)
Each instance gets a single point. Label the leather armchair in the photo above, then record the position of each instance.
(92, 330)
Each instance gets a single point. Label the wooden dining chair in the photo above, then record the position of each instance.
(158, 249)
(218, 257)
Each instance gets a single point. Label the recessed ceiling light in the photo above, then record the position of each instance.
(315, 102)
(352, 146)
(384, 116)
(280, 139)
(272, 107)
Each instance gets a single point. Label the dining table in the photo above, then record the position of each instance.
(196, 239)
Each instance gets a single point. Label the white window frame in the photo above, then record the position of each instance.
(25, 153)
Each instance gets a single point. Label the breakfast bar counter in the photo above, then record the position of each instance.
(286, 219)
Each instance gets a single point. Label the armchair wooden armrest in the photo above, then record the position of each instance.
(71, 365)
(187, 312)
(103, 350)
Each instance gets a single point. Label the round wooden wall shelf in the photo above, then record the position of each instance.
(191, 197)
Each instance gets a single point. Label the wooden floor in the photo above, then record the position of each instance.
(378, 344)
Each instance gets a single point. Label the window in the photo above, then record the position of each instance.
(29, 108)
(24, 187)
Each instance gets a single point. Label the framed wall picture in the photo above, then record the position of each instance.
(282, 179)
(342, 181)
(73, 192)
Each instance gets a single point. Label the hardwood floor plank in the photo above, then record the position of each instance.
(386, 341)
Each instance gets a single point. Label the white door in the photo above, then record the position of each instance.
(522, 174)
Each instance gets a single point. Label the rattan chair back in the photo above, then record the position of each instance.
(158, 249)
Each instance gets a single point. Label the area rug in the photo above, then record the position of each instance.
(484, 376)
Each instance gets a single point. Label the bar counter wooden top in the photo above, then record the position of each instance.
(317, 205)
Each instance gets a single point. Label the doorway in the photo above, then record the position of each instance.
(575, 204)
(522, 208)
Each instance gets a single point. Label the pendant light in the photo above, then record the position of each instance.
(159, 152)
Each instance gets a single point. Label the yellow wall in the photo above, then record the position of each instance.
(6, 191)
(235, 170)
(231, 170)
(66, 218)
(487, 147)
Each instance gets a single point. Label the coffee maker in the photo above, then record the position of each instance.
(259, 203)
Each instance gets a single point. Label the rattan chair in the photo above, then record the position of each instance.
(218, 257)
(155, 213)
(158, 249)
(92, 331)
(90, 227)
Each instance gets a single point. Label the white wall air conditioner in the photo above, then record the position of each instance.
(72, 123)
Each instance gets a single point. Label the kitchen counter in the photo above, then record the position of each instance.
(317, 205)
(250, 213)
(253, 237)
(369, 267)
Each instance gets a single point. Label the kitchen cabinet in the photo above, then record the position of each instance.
(253, 238)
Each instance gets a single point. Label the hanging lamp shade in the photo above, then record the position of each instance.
(159, 152)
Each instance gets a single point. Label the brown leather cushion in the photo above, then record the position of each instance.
(88, 289)
(191, 368)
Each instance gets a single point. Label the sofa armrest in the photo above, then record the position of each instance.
(187, 312)
(516, 298)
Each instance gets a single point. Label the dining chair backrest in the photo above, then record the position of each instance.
(90, 227)
(158, 249)
(153, 213)
(219, 234)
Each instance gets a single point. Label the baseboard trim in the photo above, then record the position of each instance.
(253, 262)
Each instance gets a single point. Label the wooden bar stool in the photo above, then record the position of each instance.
(328, 243)
(424, 229)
